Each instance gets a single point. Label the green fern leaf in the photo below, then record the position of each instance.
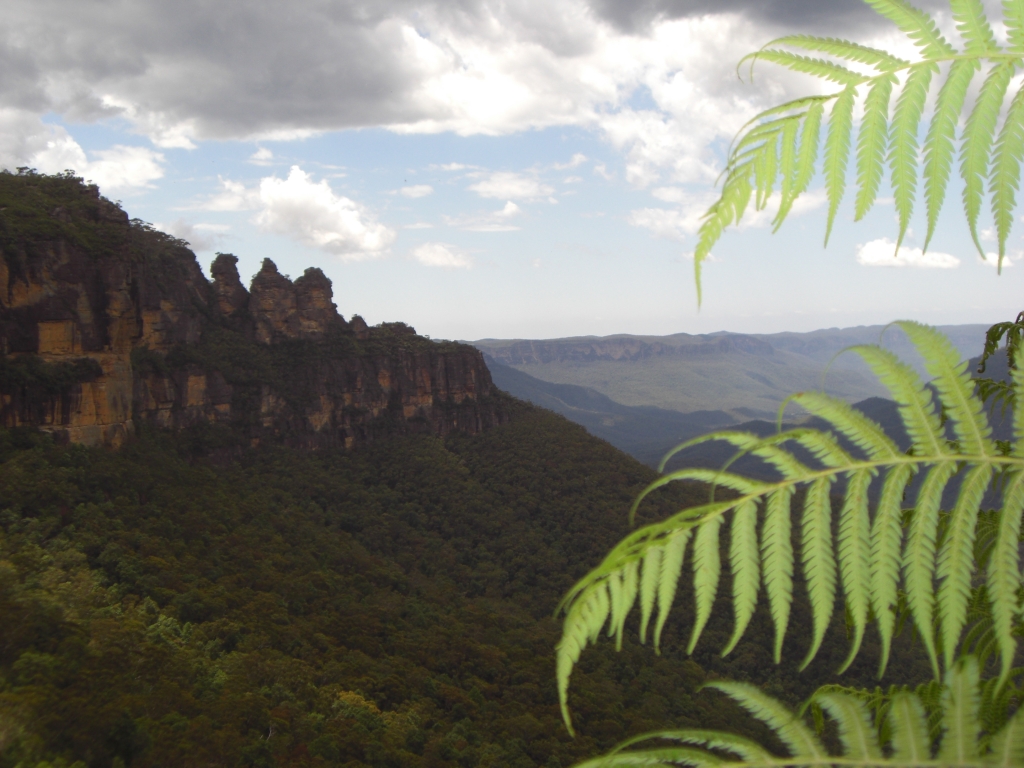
(787, 169)
(707, 569)
(977, 142)
(671, 569)
(804, 167)
(917, 409)
(886, 539)
(919, 557)
(843, 49)
(1005, 177)
(749, 751)
(909, 730)
(837, 150)
(800, 740)
(855, 556)
(960, 713)
(871, 143)
(777, 558)
(735, 196)
(650, 576)
(849, 422)
(766, 169)
(956, 560)
(818, 561)
(955, 387)
(855, 730)
(1008, 744)
(622, 587)
(903, 142)
(1013, 17)
(746, 569)
(917, 25)
(821, 68)
(973, 26)
(938, 144)
(1004, 578)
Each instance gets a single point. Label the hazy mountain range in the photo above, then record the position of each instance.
(645, 394)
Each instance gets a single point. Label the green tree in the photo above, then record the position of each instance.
(954, 575)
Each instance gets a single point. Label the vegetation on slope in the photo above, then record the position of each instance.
(389, 606)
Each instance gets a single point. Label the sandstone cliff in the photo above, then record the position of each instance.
(106, 324)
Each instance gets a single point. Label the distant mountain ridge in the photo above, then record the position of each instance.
(745, 375)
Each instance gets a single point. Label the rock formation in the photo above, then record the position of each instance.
(106, 324)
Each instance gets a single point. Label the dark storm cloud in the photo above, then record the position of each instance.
(241, 69)
(840, 18)
(262, 65)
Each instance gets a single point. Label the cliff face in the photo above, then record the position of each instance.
(106, 323)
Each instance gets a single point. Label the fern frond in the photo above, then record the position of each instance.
(960, 713)
(917, 25)
(671, 569)
(855, 557)
(917, 408)
(843, 49)
(909, 729)
(903, 142)
(956, 560)
(818, 561)
(800, 740)
(746, 569)
(822, 68)
(837, 150)
(873, 552)
(1005, 175)
(886, 540)
(787, 169)
(973, 26)
(855, 730)
(919, 557)
(707, 569)
(1004, 578)
(804, 170)
(1013, 18)
(954, 386)
(777, 557)
(871, 143)
(622, 588)
(977, 142)
(938, 144)
(649, 580)
(1008, 744)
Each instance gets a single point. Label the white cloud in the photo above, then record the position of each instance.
(576, 160)
(669, 194)
(25, 140)
(261, 156)
(312, 214)
(882, 253)
(234, 197)
(201, 237)
(992, 260)
(418, 190)
(511, 186)
(308, 212)
(441, 255)
(572, 180)
(496, 221)
(670, 223)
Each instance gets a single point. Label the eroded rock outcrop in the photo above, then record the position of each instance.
(106, 323)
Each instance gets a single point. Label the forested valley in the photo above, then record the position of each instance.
(389, 606)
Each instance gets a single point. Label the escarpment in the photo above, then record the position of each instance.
(107, 324)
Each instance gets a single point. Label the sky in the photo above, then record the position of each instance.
(516, 169)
